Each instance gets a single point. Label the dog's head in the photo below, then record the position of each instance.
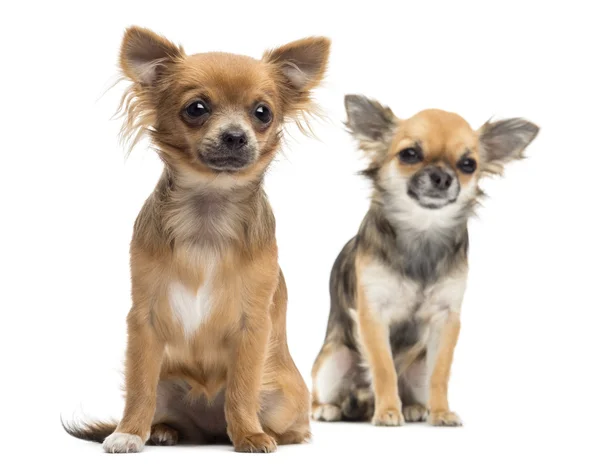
(429, 165)
(216, 115)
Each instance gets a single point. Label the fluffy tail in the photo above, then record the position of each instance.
(95, 431)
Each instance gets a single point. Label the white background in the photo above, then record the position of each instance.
(525, 379)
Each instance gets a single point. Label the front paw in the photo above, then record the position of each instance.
(256, 443)
(444, 418)
(120, 442)
(388, 417)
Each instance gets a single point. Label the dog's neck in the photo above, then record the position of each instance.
(421, 248)
(211, 196)
(209, 215)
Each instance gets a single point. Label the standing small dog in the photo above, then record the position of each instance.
(397, 286)
(207, 354)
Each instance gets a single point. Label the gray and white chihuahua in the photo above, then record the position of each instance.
(397, 286)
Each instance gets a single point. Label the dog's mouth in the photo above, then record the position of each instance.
(228, 163)
(431, 200)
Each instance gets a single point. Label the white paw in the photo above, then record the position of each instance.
(119, 442)
(328, 413)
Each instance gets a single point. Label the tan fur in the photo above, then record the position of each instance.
(202, 227)
(374, 337)
(444, 137)
(439, 412)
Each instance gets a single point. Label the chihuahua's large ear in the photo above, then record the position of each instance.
(300, 67)
(368, 120)
(372, 125)
(503, 141)
(144, 52)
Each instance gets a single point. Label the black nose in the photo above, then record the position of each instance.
(440, 179)
(234, 139)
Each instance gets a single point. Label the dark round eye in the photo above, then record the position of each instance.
(196, 109)
(410, 156)
(467, 165)
(263, 114)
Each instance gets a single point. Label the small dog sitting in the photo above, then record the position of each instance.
(397, 286)
(207, 356)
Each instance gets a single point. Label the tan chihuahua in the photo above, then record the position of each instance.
(397, 286)
(207, 355)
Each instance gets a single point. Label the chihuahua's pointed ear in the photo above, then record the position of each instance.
(300, 66)
(503, 141)
(368, 120)
(144, 53)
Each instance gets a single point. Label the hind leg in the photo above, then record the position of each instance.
(331, 376)
(285, 399)
(181, 417)
(162, 434)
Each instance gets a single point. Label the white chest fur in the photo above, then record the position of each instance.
(387, 294)
(395, 298)
(190, 308)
